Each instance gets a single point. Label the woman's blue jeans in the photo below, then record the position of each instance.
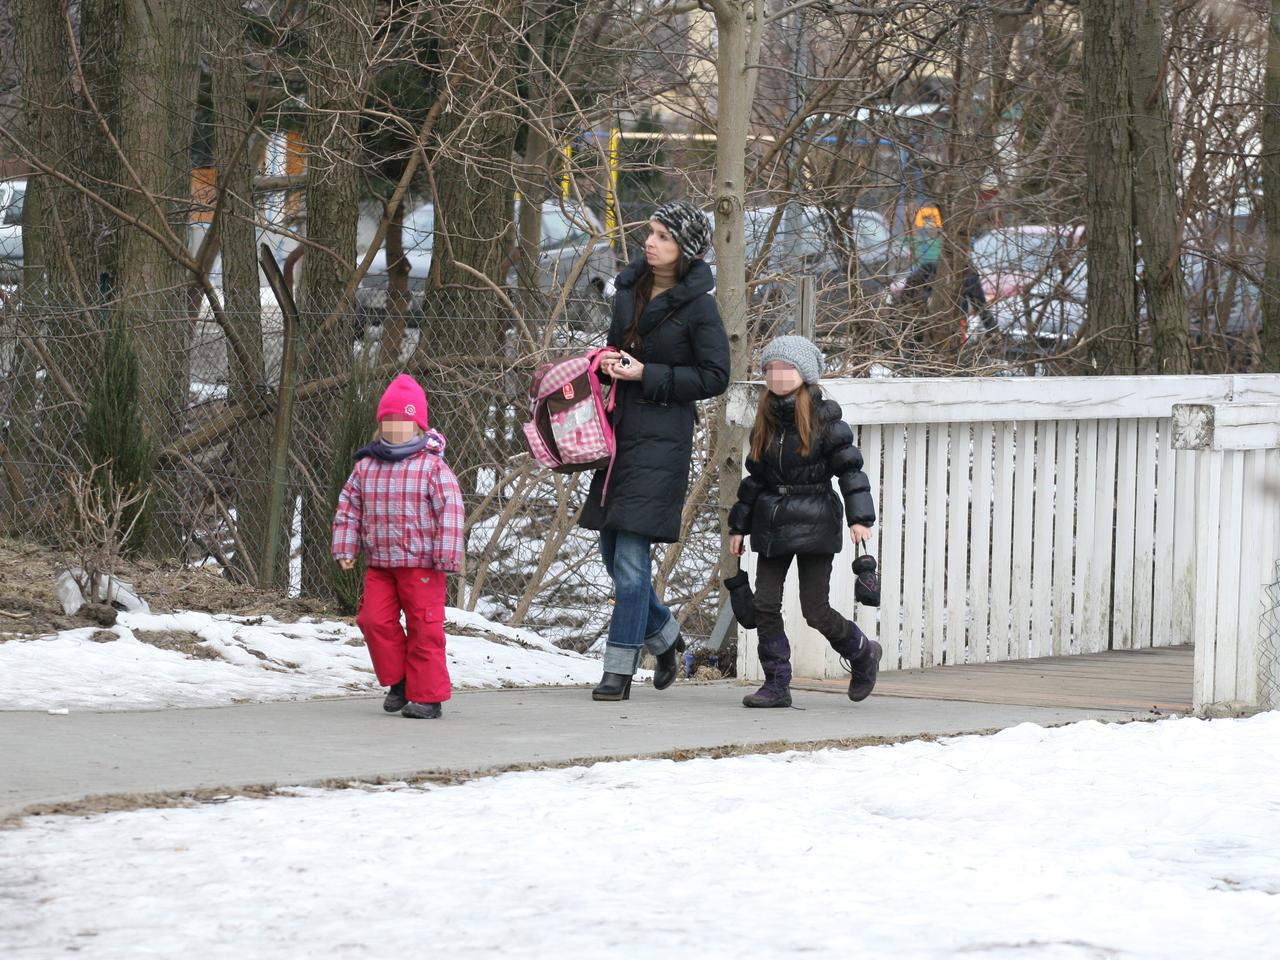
(639, 619)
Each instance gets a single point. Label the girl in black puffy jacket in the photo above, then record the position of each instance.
(788, 507)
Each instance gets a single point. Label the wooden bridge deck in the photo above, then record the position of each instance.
(1156, 678)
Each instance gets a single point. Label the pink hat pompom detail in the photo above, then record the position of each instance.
(404, 399)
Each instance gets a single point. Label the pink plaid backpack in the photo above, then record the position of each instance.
(569, 429)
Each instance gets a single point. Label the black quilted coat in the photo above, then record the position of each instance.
(686, 359)
(786, 502)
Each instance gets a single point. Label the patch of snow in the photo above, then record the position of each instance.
(1135, 841)
(254, 659)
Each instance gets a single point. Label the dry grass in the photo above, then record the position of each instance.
(183, 641)
(29, 607)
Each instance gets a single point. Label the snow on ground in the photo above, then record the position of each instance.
(253, 659)
(1156, 840)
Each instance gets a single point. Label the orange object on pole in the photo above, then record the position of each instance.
(295, 163)
(204, 194)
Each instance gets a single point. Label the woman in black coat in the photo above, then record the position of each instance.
(786, 505)
(668, 350)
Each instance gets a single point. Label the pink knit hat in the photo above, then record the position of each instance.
(404, 400)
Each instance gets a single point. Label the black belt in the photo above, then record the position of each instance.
(794, 488)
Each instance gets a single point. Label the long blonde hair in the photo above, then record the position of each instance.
(767, 426)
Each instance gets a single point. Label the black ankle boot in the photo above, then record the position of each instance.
(665, 673)
(863, 672)
(422, 711)
(396, 699)
(613, 686)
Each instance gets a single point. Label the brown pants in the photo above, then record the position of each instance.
(815, 590)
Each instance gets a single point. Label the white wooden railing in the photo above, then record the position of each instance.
(1235, 450)
(1022, 517)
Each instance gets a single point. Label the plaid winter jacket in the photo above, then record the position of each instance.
(407, 513)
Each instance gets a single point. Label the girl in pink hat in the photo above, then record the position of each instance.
(402, 507)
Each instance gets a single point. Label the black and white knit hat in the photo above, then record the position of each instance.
(689, 227)
(800, 352)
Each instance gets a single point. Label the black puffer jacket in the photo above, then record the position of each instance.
(685, 354)
(782, 520)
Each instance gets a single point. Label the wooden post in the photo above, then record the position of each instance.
(1236, 485)
(807, 306)
(283, 418)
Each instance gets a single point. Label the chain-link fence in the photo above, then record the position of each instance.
(206, 391)
(1269, 647)
(207, 387)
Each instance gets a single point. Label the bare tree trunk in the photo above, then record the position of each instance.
(398, 296)
(738, 24)
(157, 113)
(43, 55)
(1155, 195)
(1271, 197)
(98, 232)
(337, 59)
(237, 238)
(535, 171)
(473, 181)
(68, 240)
(945, 315)
(1109, 161)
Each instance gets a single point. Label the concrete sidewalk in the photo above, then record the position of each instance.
(48, 759)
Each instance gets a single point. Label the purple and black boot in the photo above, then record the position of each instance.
(775, 661)
(862, 656)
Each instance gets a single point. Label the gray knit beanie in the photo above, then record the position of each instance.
(689, 227)
(797, 351)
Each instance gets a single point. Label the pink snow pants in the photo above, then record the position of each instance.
(415, 655)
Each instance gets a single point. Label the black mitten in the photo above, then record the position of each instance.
(742, 599)
(866, 585)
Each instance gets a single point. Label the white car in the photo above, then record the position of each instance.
(13, 193)
(568, 231)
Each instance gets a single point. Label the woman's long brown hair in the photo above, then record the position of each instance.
(644, 293)
(767, 426)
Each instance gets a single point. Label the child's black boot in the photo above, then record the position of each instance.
(862, 657)
(775, 662)
(421, 711)
(396, 699)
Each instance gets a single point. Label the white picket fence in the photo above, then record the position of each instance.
(1020, 517)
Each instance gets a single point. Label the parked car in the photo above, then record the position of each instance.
(13, 194)
(814, 248)
(1045, 314)
(567, 233)
(1010, 259)
(1049, 312)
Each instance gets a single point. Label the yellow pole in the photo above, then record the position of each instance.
(611, 196)
(567, 170)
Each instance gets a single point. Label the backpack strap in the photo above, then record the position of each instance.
(595, 368)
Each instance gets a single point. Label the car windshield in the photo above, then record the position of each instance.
(559, 228)
(1018, 251)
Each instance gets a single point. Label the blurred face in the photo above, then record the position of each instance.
(397, 431)
(661, 249)
(782, 379)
